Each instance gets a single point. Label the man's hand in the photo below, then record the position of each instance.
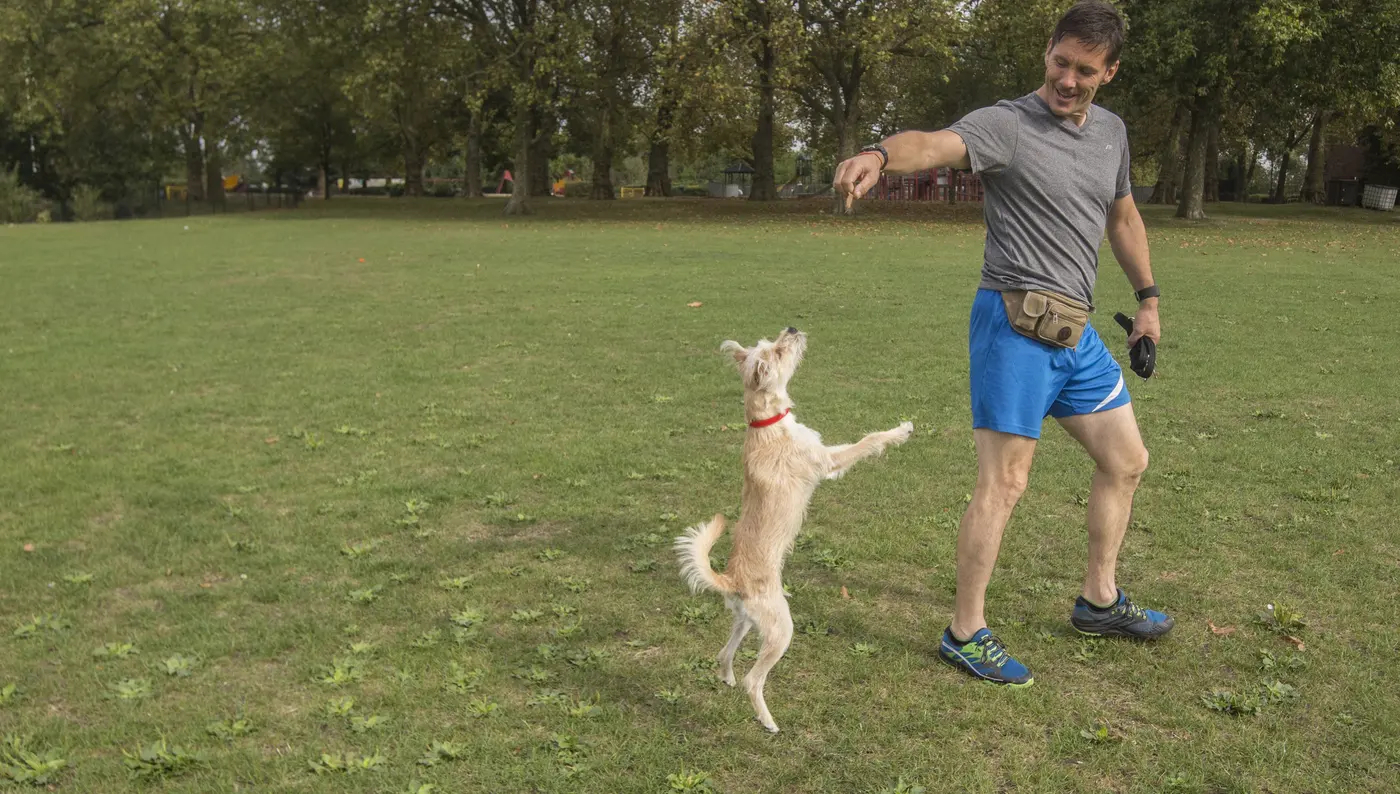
(1145, 323)
(854, 177)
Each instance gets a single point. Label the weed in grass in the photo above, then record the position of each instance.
(161, 759)
(547, 697)
(569, 753)
(442, 751)
(569, 630)
(428, 639)
(367, 595)
(549, 555)
(462, 680)
(865, 649)
(830, 560)
(526, 615)
(497, 499)
(340, 707)
(1086, 650)
(115, 650)
(417, 787)
(469, 617)
(21, 765)
(482, 707)
(360, 724)
(38, 623)
(563, 610)
(348, 763)
(535, 675)
(455, 583)
(359, 548)
(1289, 661)
(584, 709)
(642, 566)
(130, 689)
(1281, 619)
(361, 648)
(9, 693)
(695, 614)
(902, 787)
(546, 651)
(587, 658)
(341, 671)
(178, 665)
(1100, 733)
(1227, 702)
(686, 780)
(668, 696)
(228, 730)
(78, 579)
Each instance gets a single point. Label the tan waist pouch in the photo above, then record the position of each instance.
(1046, 317)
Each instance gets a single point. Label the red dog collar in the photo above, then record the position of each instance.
(772, 420)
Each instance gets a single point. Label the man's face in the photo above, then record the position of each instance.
(1073, 74)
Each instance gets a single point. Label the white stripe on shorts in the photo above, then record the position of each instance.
(1111, 395)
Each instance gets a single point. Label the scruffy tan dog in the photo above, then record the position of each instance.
(783, 463)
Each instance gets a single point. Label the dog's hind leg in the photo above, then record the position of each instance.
(742, 624)
(774, 622)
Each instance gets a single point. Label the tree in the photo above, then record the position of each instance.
(406, 50)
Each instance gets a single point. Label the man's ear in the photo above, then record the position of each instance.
(1111, 72)
(735, 349)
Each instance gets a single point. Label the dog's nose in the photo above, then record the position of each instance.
(791, 330)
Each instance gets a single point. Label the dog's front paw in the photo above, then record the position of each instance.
(901, 434)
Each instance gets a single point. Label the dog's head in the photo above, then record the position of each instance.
(768, 366)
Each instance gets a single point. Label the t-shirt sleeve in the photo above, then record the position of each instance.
(1125, 182)
(990, 136)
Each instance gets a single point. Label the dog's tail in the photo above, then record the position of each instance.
(693, 548)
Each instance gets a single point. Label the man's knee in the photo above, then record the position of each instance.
(1003, 488)
(1129, 466)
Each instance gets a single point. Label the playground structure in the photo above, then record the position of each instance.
(939, 184)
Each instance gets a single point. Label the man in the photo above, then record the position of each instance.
(1055, 170)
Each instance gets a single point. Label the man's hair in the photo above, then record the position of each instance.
(1097, 24)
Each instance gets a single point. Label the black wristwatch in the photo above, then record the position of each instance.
(1147, 292)
(880, 150)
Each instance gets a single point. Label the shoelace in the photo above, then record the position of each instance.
(1132, 610)
(990, 649)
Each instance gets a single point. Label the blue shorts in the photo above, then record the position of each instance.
(1017, 381)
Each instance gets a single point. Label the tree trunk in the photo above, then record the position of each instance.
(1314, 190)
(1169, 163)
(765, 187)
(473, 175)
(1192, 206)
(412, 168)
(1212, 184)
(1279, 197)
(524, 139)
(1249, 174)
(194, 167)
(603, 157)
(659, 157)
(214, 167)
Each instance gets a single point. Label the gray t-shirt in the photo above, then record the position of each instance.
(1049, 187)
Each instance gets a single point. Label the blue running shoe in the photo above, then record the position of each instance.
(984, 657)
(1123, 619)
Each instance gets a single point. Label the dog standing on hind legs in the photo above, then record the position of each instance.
(784, 462)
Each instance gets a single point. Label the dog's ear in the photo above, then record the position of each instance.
(735, 349)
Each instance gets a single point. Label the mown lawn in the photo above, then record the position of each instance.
(427, 459)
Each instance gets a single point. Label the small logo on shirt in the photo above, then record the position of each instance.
(1108, 147)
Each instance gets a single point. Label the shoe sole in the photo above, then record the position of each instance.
(986, 680)
(1116, 633)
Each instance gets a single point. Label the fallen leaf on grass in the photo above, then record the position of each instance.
(1339, 551)
(1297, 643)
(695, 304)
(270, 440)
(29, 547)
(846, 594)
(1220, 631)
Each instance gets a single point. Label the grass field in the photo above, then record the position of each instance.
(429, 460)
